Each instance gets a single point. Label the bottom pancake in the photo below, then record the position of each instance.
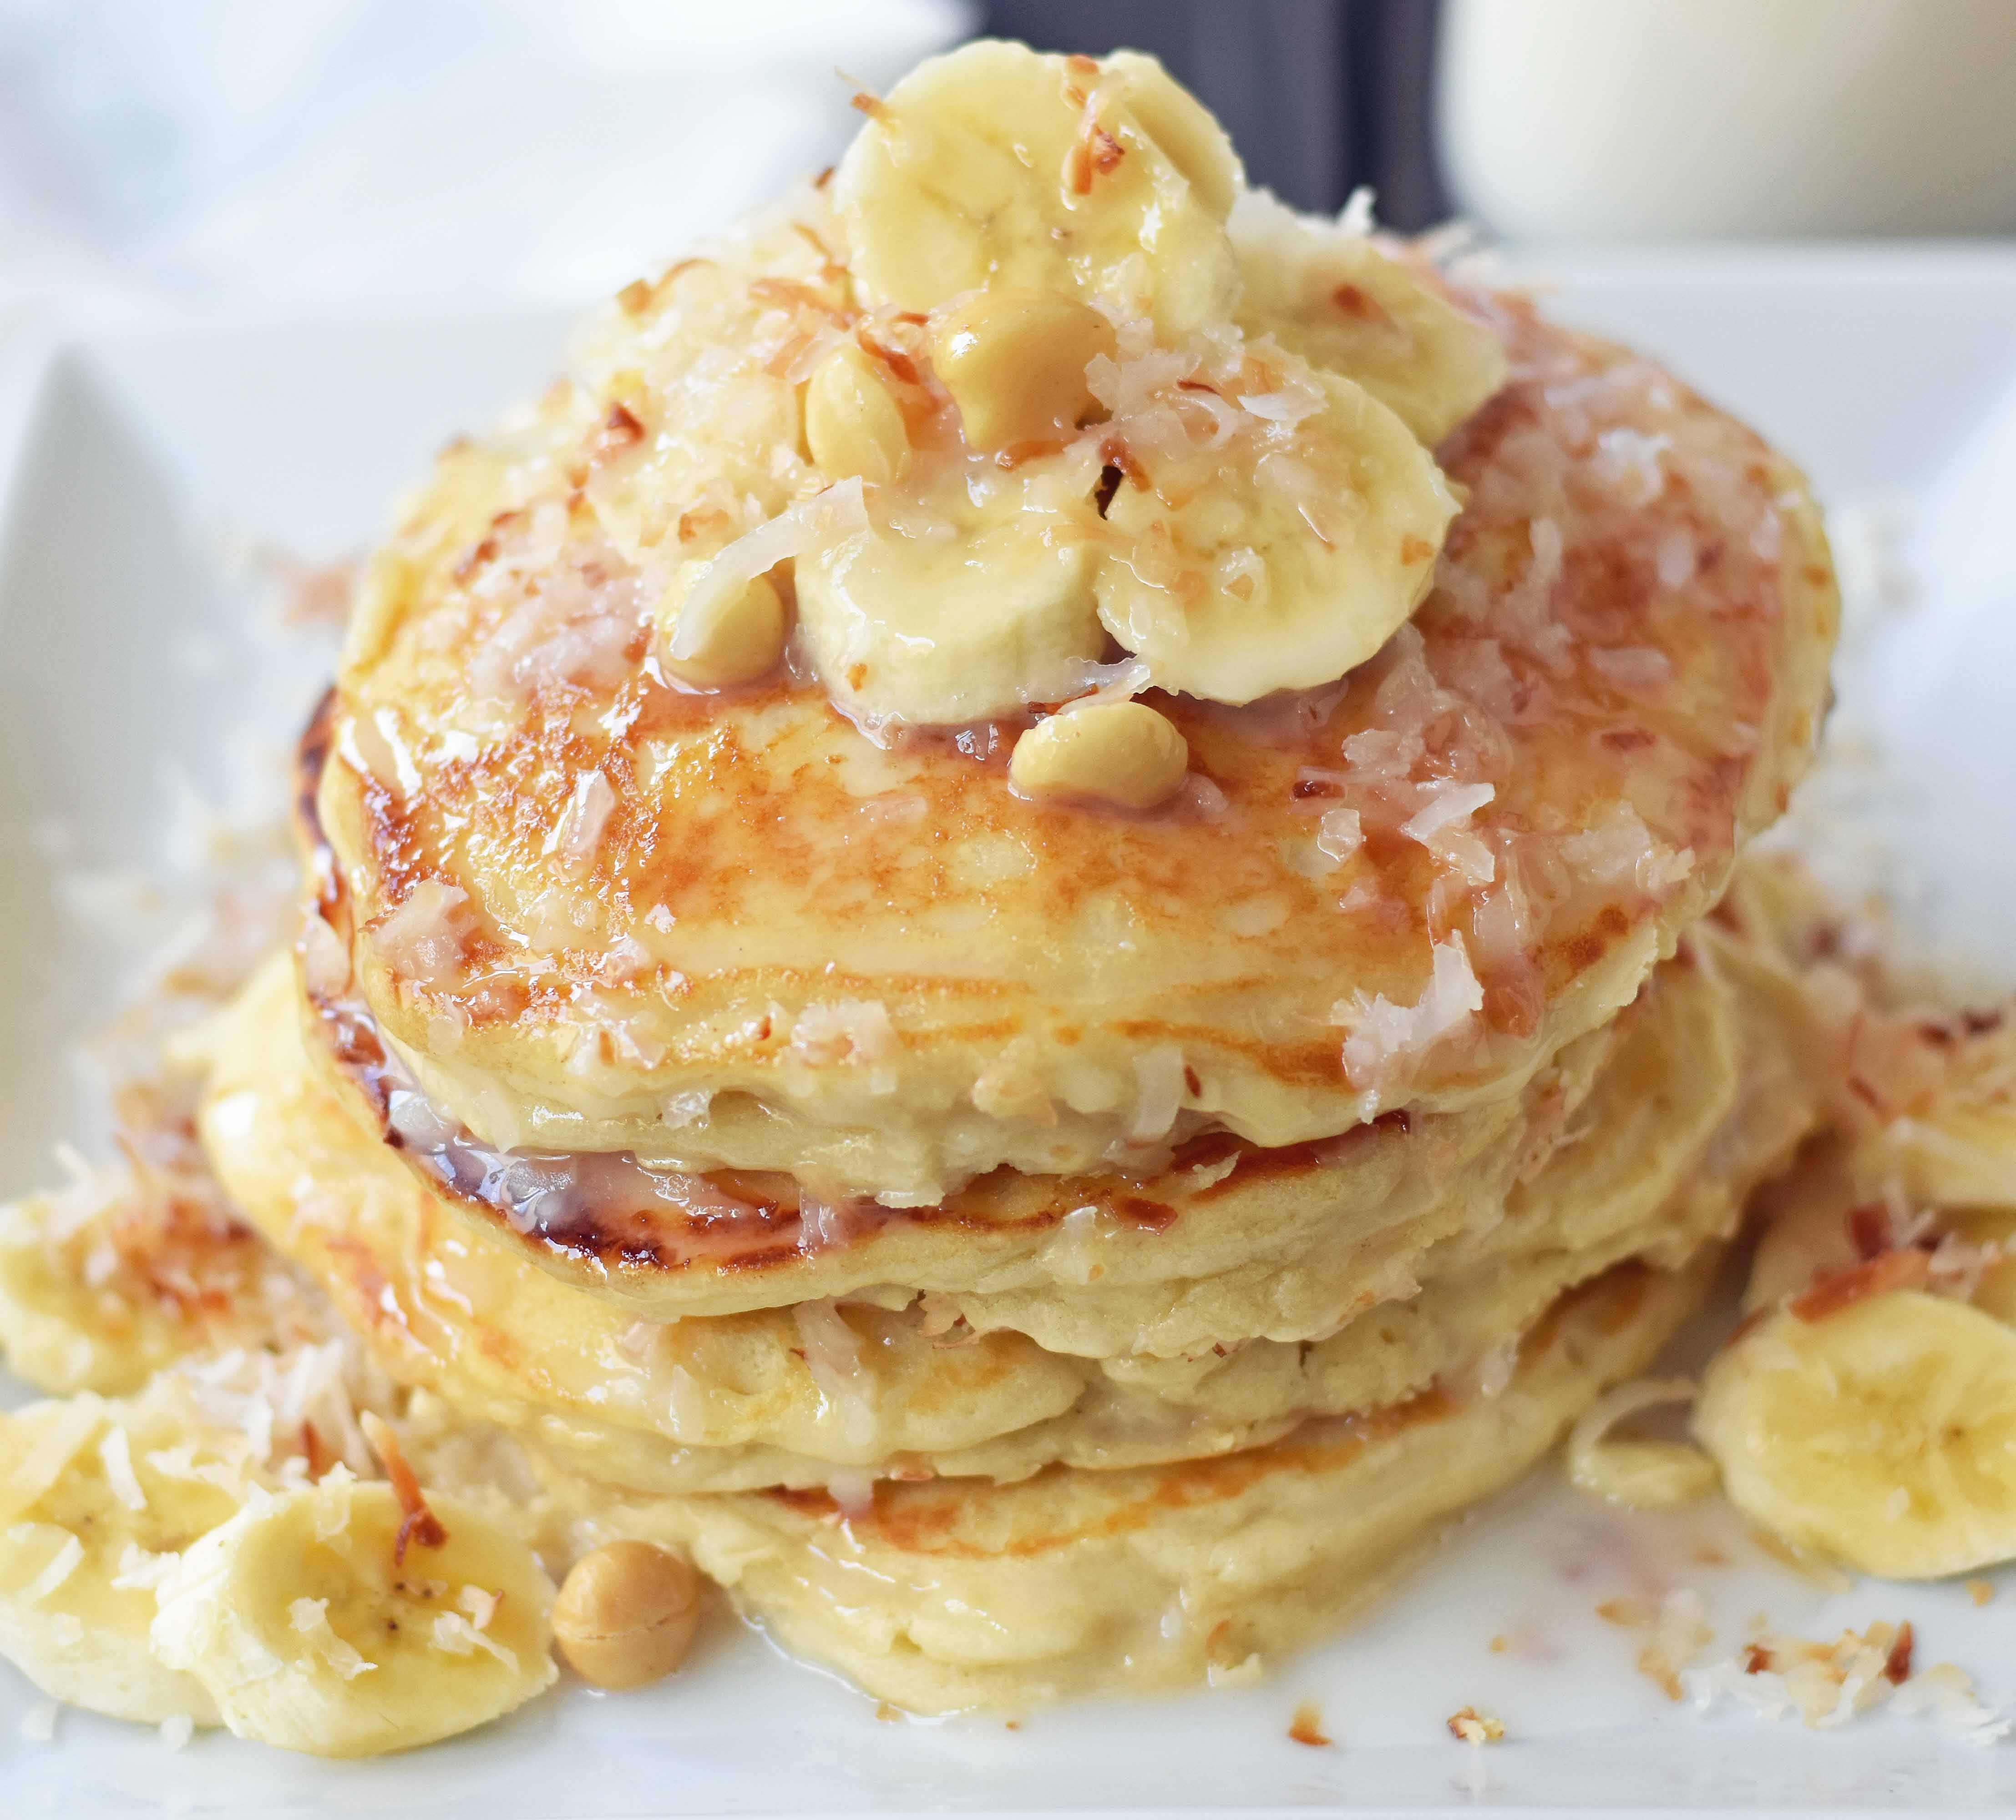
(960, 1594)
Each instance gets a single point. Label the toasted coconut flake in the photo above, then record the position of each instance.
(1474, 1728)
(1306, 1727)
(418, 1523)
(1827, 1684)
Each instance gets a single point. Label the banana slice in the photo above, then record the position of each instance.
(945, 631)
(97, 1501)
(1333, 297)
(313, 1629)
(1960, 1149)
(1882, 1435)
(1294, 566)
(101, 1297)
(993, 165)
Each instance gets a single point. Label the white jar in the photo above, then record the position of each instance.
(1711, 118)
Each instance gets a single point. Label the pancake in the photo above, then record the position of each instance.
(797, 1397)
(1223, 1241)
(594, 912)
(954, 1595)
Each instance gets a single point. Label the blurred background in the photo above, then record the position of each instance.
(393, 151)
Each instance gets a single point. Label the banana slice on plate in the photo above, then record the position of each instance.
(996, 166)
(1959, 1148)
(1335, 299)
(82, 1306)
(97, 1501)
(324, 1620)
(1291, 568)
(1881, 1435)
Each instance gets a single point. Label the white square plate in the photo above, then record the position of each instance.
(123, 651)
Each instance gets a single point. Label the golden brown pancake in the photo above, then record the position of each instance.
(1293, 1241)
(795, 1396)
(596, 913)
(956, 1594)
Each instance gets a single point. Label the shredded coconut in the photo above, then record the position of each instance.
(427, 938)
(1474, 1728)
(1638, 669)
(1448, 805)
(1356, 216)
(38, 1723)
(1386, 1037)
(141, 1570)
(578, 832)
(833, 1356)
(176, 1731)
(67, 1559)
(1159, 1085)
(115, 1451)
(455, 1635)
(835, 511)
(854, 1491)
(852, 1032)
(578, 611)
(310, 1619)
(1826, 1685)
(1680, 1632)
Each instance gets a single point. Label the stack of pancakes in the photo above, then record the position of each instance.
(1015, 1247)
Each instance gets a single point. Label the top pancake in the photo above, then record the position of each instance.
(596, 911)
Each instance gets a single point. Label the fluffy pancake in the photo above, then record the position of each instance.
(796, 1397)
(1222, 1241)
(596, 913)
(957, 1595)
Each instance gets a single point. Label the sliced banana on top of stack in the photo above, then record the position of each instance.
(1348, 307)
(1286, 572)
(996, 165)
(1240, 493)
